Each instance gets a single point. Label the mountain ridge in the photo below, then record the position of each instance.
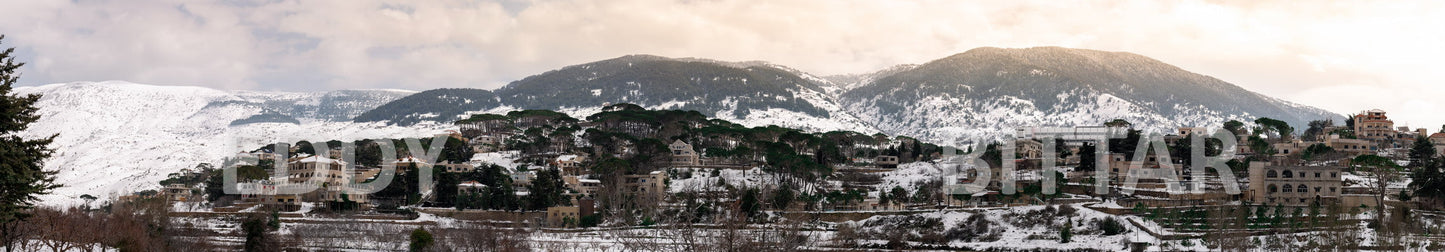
(1063, 86)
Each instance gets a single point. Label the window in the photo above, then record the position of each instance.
(1332, 189)
(1271, 174)
(1303, 188)
(1288, 174)
(1288, 188)
(1332, 174)
(1273, 189)
(1317, 174)
(1317, 189)
(1301, 200)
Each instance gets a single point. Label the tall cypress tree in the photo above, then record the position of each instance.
(21, 176)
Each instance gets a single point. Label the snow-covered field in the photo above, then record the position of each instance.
(113, 138)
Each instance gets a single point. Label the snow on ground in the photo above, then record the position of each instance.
(1044, 236)
(910, 176)
(114, 138)
(702, 180)
(1367, 180)
(501, 158)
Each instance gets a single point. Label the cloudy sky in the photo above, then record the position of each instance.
(1342, 56)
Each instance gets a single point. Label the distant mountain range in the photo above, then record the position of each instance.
(981, 93)
(753, 93)
(120, 137)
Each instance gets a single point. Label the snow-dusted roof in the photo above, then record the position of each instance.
(567, 158)
(408, 159)
(319, 159)
(471, 184)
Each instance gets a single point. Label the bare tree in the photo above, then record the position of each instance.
(1383, 172)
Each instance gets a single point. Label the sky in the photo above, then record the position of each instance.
(1343, 56)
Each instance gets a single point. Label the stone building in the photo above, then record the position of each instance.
(651, 186)
(886, 161)
(683, 154)
(328, 175)
(1273, 183)
(1373, 125)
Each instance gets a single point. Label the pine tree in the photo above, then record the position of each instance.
(21, 176)
(1421, 151)
(1068, 231)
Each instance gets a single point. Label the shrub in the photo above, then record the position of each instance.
(1111, 226)
(420, 239)
(1067, 210)
(589, 221)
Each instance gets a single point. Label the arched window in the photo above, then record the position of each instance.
(1273, 189)
(1270, 174)
(1288, 188)
(1302, 188)
(1288, 174)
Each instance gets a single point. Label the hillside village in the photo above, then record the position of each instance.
(632, 167)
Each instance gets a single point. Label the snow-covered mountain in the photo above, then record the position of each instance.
(845, 82)
(749, 93)
(988, 92)
(118, 137)
(979, 94)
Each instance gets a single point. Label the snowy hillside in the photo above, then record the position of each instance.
(988, 92)
(119, 137)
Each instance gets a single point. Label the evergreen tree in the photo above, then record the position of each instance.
(1234, 126)
(1428, 180)
(21, 173)
(546, 190)
(782, 198)
(1421, 151)
(1068, 231)
(899, 194)
(1086, 157)
(749, 203)
(456, 151)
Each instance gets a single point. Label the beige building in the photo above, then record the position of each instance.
(1120, 167)
(1438, 139)
(683, 154)
(585, 187)
(569, 164)
(1187, 131)
(1291, 148)
(1373, 125)
(448, 166)
(563, 216)
(1352, 146)
(176, 192)
(488, 142)
(326, 173)
(886, 161)
(1029, 149)
(1272, 184)
(652, 185)
(408, 162)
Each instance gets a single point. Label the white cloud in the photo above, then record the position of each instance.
(1344, 56)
